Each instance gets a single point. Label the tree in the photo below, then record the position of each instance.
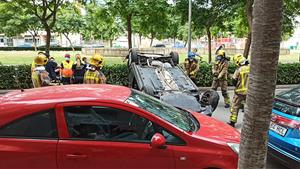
(69, 20)
(266, 37)
(152, 23)
(291, 9)
(126, 10)
(44, 10)
(16, 21)
(100, 23)
(207, 14)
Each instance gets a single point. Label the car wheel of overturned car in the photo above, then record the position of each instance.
(210, 97)
(133, 57)
(175, 58)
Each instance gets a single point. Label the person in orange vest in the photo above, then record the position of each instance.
(66, 70)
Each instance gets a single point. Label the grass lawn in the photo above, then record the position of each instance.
(26, 57)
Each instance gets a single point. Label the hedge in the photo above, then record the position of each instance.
(117, 74)
(39, 48)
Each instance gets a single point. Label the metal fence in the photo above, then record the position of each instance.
(112, 52)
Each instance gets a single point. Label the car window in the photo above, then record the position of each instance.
(181, 119)
(38, 125)
(105, 123)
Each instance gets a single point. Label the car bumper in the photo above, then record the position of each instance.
(284, 158)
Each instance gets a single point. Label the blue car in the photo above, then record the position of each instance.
(284, 132)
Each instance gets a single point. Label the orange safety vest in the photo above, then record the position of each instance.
(67, 69)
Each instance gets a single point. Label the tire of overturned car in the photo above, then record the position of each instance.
(175, 58)
(133, 57)
(210, 97)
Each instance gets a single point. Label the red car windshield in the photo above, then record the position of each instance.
(180, 118)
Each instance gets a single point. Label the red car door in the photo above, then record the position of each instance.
(29, 142)
(107, 136)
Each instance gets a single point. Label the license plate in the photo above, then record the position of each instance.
(278, 129)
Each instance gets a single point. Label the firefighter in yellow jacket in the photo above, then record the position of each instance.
(240, 80)
(220, 72)
(191, 64)
(66, 70)
(94, 74)
(40, 77)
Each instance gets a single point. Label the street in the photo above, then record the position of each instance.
(223, 114)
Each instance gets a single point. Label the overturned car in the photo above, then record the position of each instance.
(160, 76)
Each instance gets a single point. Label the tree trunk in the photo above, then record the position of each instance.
(33, 34)
(111, 43)
(266, 36)
(69, 40)
(48, 39)
(140, 39)
(129, 31)
(247, 45)
(209, 43)
(151, 42)
(174, 40)
(249, 12)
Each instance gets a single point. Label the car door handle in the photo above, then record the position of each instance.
(72, 156)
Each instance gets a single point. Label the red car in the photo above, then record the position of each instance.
(104, 126)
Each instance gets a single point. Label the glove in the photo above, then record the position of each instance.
(192, 73)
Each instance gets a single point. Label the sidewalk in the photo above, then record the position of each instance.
(230, 88)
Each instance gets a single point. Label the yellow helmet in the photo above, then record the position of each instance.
(40, 59)
(97, 61)
(239, 59)
(221, 53)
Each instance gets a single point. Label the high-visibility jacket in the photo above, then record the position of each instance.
(94, 77)
(220, 69)
(67, 69)
(40, 77)
(241, 75)
(32, 66)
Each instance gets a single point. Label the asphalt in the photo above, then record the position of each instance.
(223, 114)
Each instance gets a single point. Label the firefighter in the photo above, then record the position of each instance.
(240, 80)
(191, 64)
(40, 77)
(94, 74)
(220, 72)
(66, 70)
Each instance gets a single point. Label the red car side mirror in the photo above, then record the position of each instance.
(158, 141)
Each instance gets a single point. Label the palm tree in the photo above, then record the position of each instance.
(266, 35)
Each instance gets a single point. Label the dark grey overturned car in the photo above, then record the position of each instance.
(160, 76)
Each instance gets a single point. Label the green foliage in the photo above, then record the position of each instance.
(69, 20)
(117, 74)
(101, 23)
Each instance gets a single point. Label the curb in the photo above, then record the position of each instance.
(2, 92)
(277, 87)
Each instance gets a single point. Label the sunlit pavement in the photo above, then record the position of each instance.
(223, 114)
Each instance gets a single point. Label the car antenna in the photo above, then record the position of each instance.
(17, 79)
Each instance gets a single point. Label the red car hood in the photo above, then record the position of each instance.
(215, 130)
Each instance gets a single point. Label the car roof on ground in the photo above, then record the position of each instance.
(67, 93)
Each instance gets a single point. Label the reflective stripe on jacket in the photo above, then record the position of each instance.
(94, 77)
(242, 77)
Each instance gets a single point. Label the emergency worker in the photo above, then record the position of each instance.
(220, 72)
(240, 80)
(79, 69)
(66, 70)
(191, 64)
(40, 77)
(94, 74)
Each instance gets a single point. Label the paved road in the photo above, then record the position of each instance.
(223, 114)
